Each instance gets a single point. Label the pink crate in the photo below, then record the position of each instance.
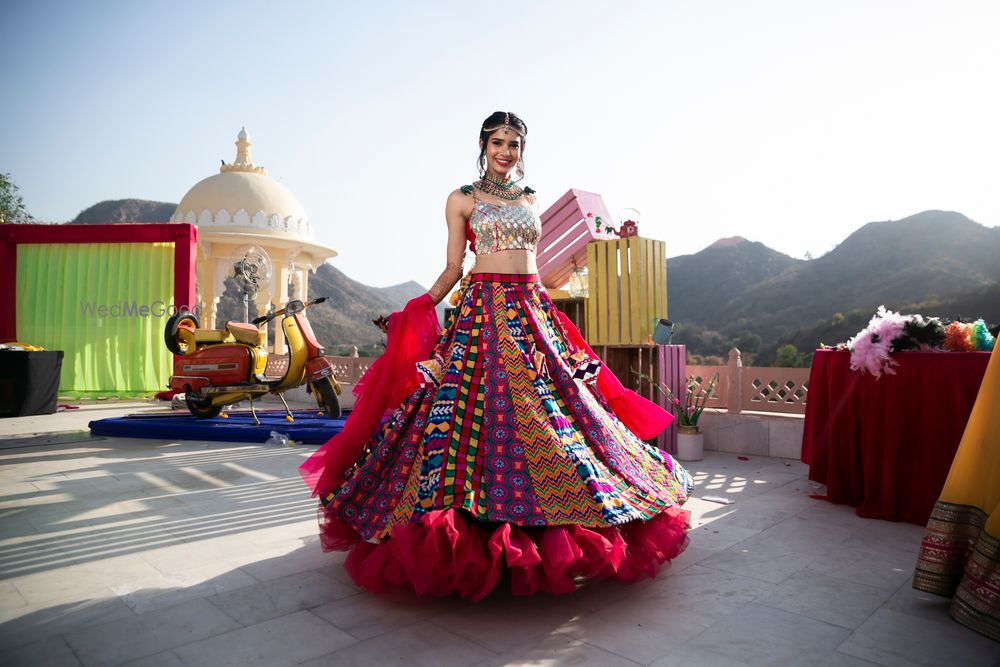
(566, 231)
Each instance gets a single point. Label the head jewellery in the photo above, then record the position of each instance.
(505, 126)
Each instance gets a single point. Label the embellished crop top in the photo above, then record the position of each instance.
(495, 227)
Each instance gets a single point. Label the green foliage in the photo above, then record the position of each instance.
(12, 208)
(700, 340)
(747, 342)
(980, 302)
(788, 356)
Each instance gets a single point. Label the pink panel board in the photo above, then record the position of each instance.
(671, 372)
(566, 231)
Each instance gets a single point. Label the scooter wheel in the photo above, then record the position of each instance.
(329, 402)
(171, 327)
(202, 408)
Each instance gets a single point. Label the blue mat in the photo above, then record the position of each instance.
(239, 427)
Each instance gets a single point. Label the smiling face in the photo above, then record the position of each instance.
(503, 150)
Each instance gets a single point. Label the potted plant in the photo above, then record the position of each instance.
(690, 439)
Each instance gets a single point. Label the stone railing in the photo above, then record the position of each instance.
(753, 389)
(348, 370)
(738, 389)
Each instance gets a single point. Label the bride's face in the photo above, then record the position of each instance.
(503, 150)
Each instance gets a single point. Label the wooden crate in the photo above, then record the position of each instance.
(628, 290)
(566, 231)
(664, 363)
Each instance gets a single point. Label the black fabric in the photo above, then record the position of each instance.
(29, 382)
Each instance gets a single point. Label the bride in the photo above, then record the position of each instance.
(498, 445)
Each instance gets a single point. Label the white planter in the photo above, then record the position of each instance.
(690, 446)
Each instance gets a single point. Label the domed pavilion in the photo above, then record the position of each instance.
(242, 206)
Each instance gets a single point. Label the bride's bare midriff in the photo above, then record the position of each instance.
(506, 261)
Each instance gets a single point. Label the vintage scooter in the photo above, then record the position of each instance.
(218, 367)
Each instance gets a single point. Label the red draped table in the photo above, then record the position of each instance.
(885, 445)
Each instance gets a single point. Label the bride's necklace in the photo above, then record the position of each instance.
(506, 190)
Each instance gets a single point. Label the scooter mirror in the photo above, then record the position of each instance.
(294, 307)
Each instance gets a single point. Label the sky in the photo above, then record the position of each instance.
(788, 122)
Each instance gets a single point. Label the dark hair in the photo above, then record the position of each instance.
(493, 123)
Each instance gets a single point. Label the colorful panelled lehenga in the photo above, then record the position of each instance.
(960, 553)
(474, 454)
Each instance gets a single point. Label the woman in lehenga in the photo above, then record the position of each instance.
(488, 450)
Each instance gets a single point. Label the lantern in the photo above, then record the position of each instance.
(579, 286)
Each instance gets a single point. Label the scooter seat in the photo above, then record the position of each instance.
(211, 336)
(245, 333)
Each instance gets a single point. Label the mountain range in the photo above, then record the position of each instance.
(937, 263)
(738, 291)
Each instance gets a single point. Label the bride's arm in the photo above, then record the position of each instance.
(455, 215)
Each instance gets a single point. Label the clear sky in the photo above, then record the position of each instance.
(788, 122)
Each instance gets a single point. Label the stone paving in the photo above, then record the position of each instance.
(163, 553)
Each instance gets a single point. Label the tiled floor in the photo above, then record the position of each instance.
(143, 552)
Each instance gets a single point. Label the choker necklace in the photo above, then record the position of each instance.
(509, 190)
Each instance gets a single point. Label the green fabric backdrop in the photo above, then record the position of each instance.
(87, 299)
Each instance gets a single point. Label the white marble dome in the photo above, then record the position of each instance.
(243, 198)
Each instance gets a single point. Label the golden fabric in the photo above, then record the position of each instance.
(960, 552)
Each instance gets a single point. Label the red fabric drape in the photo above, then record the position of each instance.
(885, 445)
(386, 384)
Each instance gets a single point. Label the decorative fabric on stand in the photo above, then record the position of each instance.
(103, 304)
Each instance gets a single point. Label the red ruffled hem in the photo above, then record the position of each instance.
(447, 553)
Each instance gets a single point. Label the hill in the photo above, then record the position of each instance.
(344, 320)
(733, 288)
(708, 287)
(125, 210)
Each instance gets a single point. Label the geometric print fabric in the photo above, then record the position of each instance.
(500, 429)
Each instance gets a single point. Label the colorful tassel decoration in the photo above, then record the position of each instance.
(957, 337)
(981, 337)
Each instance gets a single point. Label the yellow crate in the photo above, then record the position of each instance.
(628, 290)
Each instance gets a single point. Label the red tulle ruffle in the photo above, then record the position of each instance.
(448, 553)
